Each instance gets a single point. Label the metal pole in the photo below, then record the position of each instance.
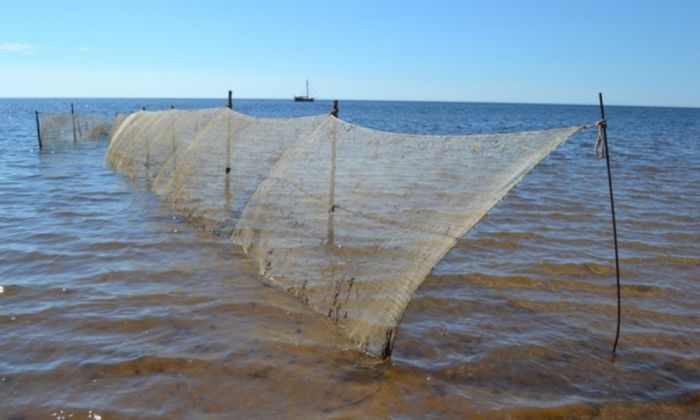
(614, 223)
(72, 116)
(38, 129)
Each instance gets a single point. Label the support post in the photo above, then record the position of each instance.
(227, 176)
(173, 141)
(228, 146)
(331, 188)
(38, 129)
(604, 133)
(335, 110)
(72, 117)
(230, 99)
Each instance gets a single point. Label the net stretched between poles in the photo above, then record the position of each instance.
(58, 129)
(348, 219)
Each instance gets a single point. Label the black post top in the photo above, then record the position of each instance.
(335, 110)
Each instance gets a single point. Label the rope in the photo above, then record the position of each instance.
(600, 145)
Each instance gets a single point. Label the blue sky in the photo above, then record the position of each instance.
(636, 52)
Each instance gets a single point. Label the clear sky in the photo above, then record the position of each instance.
(565, 51)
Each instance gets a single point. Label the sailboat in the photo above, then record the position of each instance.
(305, 98)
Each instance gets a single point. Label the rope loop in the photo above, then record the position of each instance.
(599, 143)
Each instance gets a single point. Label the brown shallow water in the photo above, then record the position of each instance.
(112, 305)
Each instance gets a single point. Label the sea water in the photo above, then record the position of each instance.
(112, 305)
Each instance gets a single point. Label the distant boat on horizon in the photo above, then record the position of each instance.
(304, 98)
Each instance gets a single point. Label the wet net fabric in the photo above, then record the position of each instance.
(59, 129)
(206, 163)
(350, 220)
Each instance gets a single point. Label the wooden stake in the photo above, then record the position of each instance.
(331, 189)
(614, 223)
(38, 129)
(331, 186)
(335, 110)
(227, 176)
(72, 116)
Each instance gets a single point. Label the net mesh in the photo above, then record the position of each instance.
(348, 219)
(58, 129)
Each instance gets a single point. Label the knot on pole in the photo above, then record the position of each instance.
(600, 149)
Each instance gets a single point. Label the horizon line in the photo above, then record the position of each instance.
(224, 99)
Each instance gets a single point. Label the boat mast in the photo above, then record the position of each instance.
(307, 88)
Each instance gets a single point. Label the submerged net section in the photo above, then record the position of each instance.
(348, 219)
(57, 129)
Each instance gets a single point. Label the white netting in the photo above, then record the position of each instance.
(348, 219)
(56, 129)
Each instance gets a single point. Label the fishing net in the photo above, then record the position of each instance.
(57, 129)
(348, 219)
